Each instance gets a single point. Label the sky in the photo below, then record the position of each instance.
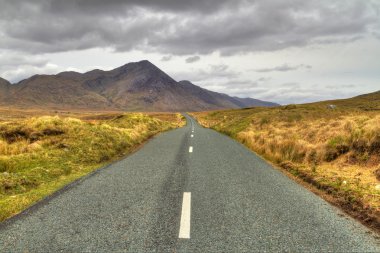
(285, 51)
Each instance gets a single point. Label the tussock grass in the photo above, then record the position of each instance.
(337, 150)
(41, 154)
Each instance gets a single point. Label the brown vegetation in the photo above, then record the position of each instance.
(335, 149)
(39, 155)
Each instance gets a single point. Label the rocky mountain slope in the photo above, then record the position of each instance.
(137, 86)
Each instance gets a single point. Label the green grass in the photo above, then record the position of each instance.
(40, 155)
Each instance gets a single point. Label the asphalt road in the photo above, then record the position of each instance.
(168, 197)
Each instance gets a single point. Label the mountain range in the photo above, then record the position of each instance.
(136, 86)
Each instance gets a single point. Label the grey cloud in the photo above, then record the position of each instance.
(348, 86)
(285, 93)
(231, 85)
(293, 94)
(192, 59)
(12, 59)
(220, 78)
(182, 27)
(292, 84)
(17, 66)
(340, 86)
(166, 58)
(219, 68)
(212, 72)
(284, 68)
(244, 84)
(96, 6)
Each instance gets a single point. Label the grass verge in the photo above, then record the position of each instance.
(336, 150)
(40, 155)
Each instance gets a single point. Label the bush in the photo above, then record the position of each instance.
(377, 174)
(360, 145)
(374, 146)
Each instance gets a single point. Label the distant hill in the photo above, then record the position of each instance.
(367, 102)
(137, 86)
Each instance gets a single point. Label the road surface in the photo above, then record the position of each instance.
(187, 190)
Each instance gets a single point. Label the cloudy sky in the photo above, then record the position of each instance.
(287, 51)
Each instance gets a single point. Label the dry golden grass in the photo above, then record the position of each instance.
(39, 155)
(336, 150)
(343, 151)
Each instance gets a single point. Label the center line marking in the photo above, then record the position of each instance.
(192, 136)
(190, 149)
(184, 228)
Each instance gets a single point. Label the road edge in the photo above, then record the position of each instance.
(44, 201)
(360, 216)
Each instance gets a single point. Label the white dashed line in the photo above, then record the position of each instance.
(184, 228)
(190, 149)
(192, 135)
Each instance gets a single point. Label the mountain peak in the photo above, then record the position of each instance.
(140, 64)
(186, 82)
(145, 62)
(136, 86)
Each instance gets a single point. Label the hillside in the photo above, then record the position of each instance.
(4, 88)
(335, 149)
(367, 102)
(54, 91)
(138, 86)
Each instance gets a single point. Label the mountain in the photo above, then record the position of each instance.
(251, 102)
(53, 92)
(4, 88)
(221, 100)
(137, 86)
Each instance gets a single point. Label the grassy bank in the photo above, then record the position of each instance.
(42, 154)
(336, 149)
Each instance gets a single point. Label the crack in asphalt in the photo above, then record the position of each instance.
(165, 232)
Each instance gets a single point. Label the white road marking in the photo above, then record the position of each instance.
(190, 149)
(192, 135)
(184, 228)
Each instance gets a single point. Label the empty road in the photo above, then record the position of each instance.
(187, 190)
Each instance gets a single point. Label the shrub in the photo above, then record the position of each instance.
(374, 146)
(377, 174)
(360, 145)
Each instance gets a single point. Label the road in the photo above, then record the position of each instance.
(186, 191)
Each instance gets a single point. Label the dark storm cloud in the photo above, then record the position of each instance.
(192, 59)
(284, 68)
(98, 6)
(181, 27)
